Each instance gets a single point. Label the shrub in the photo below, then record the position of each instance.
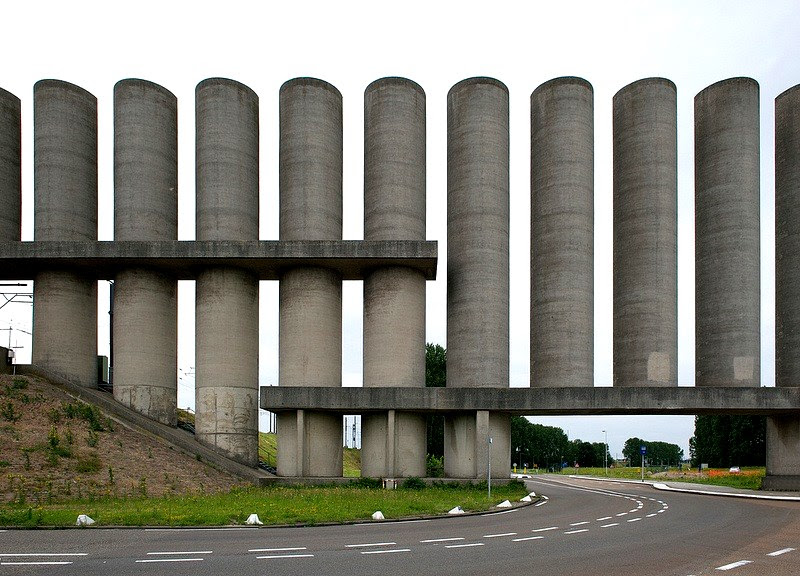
(88, 465)
(413, 483)
(434, 466)
(366, 482)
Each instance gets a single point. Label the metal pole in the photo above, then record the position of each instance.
(489, 466)
(642, 467)
(605, 453)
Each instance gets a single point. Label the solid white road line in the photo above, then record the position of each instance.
(545, 529)
(528, 538)
(168, 560)
(392, 551)
(179, 553)
(434, 540)
(576, 531)
(35, 563)
(780, 552)
(371, 544)
(284, 556)
(278, 549)
(610, 525)
(465, 545)
(733, 565)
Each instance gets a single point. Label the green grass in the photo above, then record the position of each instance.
(274, 505)
(748, 478)
(268, 450)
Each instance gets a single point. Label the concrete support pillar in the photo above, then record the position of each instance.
(783, 433)
(145, 326)
(65, 208)
(310, 347)
(10, 167)
(646, 234)
(727, 267)
(477, 260)
(394, 444)
(226, 364)
(562, 233)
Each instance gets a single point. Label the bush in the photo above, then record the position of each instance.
(365, 482)
(434, 466)
(413, 483)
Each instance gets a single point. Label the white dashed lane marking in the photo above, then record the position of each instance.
(604, 518)
(733, 565)
(545, 529)
(579, 523)
(179, 553)
(528, 538)
(297, 549)
(576, 531)
(610, 525)
(371, 544)
(465, 545)
(279, 556)
(164, 560)
(499, 535)
(435, 540)
(781, 552)
(392, 551)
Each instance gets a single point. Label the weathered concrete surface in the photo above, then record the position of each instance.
(226, 322)
(727, 250)
(562, 233)
(183, 260)
(145, 321)
(642, 399)
(783, 453)
(646, 234)
(10, 166)
(394, 444)
(787, 237)
(310, 349)
(65, 208)
(478, 214)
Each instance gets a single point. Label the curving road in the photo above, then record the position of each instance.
(581, 527)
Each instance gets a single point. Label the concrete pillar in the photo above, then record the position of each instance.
(310, 347)
(145, 326)
(562, 233)
(10, 167)
(394, 298)
(646, 234)
(727, 268)
(65, 208)
(783, 433)
(226, 324)
(477, 261)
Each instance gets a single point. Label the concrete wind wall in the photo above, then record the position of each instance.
(562, 233)
(310, 347)
(226, 300)
(145, 313)
(646, 234)
(394, 444)
(727, 265)
(65, 208)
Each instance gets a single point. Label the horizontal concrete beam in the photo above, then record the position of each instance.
(184, 259)
(537, 401)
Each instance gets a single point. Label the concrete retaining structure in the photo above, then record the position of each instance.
(65, 208)
(393, 444)
(646, 234)
(477, 267)
(226, 305)
(145, 312)
(727, 266)
(310, 346)
(10, 166)
(562, 233)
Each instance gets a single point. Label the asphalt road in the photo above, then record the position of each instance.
(582, 527)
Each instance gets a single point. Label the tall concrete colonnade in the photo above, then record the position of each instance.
(727, 254)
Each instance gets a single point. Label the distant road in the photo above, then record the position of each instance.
(583, 527)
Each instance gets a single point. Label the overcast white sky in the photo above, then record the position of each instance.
(350, 44)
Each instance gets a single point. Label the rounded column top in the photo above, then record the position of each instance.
(8, 97)
(393, 81)
(646, 83)
(312, 82)
(732, 83)
(478, 80)
(563, 81)
(216, 81)
(61, 85)
(144, 84)
(788, 93)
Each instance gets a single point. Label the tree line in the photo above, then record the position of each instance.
(723, 441)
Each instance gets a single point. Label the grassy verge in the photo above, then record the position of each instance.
(274, 505)
(749, 478)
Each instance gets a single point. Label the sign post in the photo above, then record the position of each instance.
(644, 451)
(489, 466)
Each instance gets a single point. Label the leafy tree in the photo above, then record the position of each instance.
(722, 441)
(658, 453)
(435, 377)
(543, 446)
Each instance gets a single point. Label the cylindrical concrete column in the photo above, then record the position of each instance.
(562, 233)
(646, 234)
(727, 268)
(477, 263)
(226, 308)
(10, 167)
(65, 208)
(145, 325)
(310, 347)
(783, 432)
(394, 297)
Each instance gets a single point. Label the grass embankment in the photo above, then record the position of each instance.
(748, 478)
(274, 505)
(268, 449)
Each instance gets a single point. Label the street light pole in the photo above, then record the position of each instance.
(605, 452)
